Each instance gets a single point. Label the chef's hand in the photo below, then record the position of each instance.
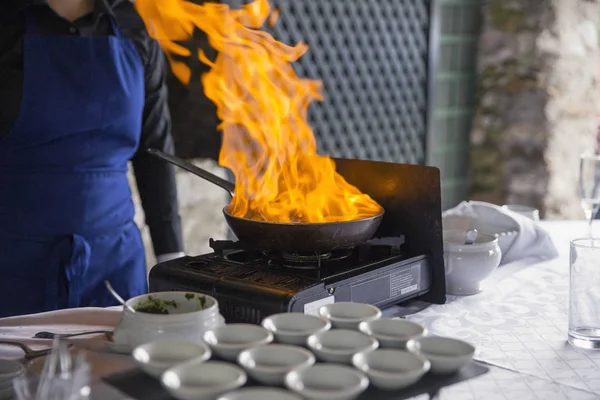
(168, 257)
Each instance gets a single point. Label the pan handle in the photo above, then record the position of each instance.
(223, 183)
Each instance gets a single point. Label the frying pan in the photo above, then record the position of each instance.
(303, 238)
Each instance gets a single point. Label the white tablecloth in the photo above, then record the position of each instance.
(519, 322)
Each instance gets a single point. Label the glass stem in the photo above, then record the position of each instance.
(594, 211)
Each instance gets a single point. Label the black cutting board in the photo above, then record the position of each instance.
(138, 385)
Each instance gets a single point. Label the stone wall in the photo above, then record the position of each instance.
(538, 101)
(201, 205)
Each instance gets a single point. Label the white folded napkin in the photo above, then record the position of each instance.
(519, 236)
(22, 328)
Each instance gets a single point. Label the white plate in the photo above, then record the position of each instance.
(9, 369)
(102, 363)
(7, 393)
(7, 384)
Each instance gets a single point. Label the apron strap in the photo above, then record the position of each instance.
(115, 27)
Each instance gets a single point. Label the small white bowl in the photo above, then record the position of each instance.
(203, 380)
(269, 364)
(468, 265)
(154, 358)
(339, 345)
(327, 382)
(390, 369)
(7, 393)
(260, 393)
(295, 328)
(348, 315)
(228, 341)
(392, 332)
(10, 369)
(446, 355)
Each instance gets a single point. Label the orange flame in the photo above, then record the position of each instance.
(263, 105)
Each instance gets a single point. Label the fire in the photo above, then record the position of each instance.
(263, 105)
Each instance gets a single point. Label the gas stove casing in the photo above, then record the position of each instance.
(410, 195)
(249, 293)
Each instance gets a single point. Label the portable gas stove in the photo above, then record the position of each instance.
(404, 260)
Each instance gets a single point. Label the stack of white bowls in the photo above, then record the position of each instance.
(8, 371)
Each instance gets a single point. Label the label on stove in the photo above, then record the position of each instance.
(405, 282)
(312, 308)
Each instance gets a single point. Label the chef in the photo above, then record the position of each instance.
(82, 92)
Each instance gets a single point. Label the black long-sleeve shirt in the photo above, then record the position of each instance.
(155, 178)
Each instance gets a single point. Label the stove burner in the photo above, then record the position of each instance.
(305, 257)
(296, 260)
(306, 261)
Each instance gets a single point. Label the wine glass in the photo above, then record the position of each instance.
(589, 186)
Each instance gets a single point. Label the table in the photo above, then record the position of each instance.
(519, 322)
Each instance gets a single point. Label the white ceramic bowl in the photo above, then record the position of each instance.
(391, 369)
(261, 393)
(348, 315)
(392, 332)
(7, 393)
(467, 265)
(327, 382)
(203, 380)
(505, 228)
(339, 345)
(295, 328)
(6, 385)
(7, 388)
(156, 357)
(268, 364)
(10, 369)
(194, 314)
(446, 355)
(228, 341)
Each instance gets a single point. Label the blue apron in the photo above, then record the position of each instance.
(66, 213)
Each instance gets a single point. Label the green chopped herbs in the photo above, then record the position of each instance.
(200, 297)
(153, 305)
(202, 300)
